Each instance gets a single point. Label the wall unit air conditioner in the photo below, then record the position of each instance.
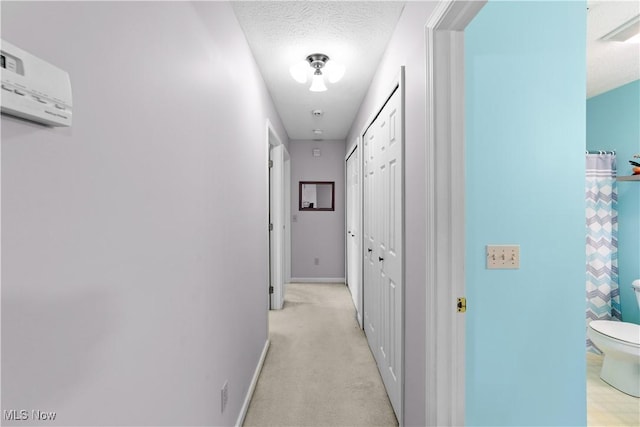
(33, 89)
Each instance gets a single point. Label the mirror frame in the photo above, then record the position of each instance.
(333, 196)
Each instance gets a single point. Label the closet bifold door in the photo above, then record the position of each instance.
(383, 244)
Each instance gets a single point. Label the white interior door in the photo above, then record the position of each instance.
(383, 220)
(278, 215)
(370, 309)
(353, 237)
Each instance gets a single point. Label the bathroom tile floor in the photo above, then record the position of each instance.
(606, 406)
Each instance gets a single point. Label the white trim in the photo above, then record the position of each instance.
(267, 181)
(403, 103)
(346, 219)
(402, 90)
(271, 129)
(287, 217)
(382, 100)
(252, 386)
(352, 149)
(445, 328)
(279, 175)
(360, 314)
(340, 280)
(362, 242)
(403, 328)
(360, 304)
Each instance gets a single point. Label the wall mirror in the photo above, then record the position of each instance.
(316, 196)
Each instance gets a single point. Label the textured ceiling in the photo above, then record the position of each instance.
(610, 64)
(354, 34)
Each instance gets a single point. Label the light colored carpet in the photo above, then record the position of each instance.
(319, 370)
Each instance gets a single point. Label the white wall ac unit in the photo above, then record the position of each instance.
(33, 89)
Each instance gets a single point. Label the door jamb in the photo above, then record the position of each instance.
(273, 139)
(359, 285)
(445, 197)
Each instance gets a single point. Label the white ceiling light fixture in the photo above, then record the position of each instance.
(318, 61)
(317, 82)
(627, 32)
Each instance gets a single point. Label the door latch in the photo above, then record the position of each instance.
(462, 305)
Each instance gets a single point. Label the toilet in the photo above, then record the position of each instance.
(620, 343)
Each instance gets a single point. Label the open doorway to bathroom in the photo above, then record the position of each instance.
(613, 241)
(613, 383)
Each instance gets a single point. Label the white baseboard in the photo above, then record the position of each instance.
(318, 280)
(252, 387)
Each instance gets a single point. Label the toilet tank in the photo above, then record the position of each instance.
(636, 289)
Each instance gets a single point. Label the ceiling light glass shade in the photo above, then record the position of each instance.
(317, 83)
(300, 71)
(333, 71)
(634, 39)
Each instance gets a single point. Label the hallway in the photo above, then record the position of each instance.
(319, 370)
(135, 262)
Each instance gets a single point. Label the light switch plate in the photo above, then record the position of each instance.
(503, 257)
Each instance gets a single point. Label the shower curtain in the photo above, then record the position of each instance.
(603, 296)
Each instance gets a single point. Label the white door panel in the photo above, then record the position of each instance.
(383, 216)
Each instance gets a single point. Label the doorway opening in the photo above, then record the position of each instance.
(279, 188)
(353, 239)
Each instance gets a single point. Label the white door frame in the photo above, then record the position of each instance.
(279, 237)
(358, 286)
(445, 327)
(287, 216)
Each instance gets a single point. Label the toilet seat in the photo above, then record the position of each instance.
(621, 331)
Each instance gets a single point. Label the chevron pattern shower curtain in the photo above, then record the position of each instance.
(603, 295)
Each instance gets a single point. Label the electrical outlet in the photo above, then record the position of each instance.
(503, 257)
(224, 396)
(316, 261)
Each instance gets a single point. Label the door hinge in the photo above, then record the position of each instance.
(270, 164)
(270, 227)
(270, 289)
(462, 305)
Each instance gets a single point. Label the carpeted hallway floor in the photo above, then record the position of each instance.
(319, 370)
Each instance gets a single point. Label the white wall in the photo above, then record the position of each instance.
(134, 280)
(407, 47)
(317, 234)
